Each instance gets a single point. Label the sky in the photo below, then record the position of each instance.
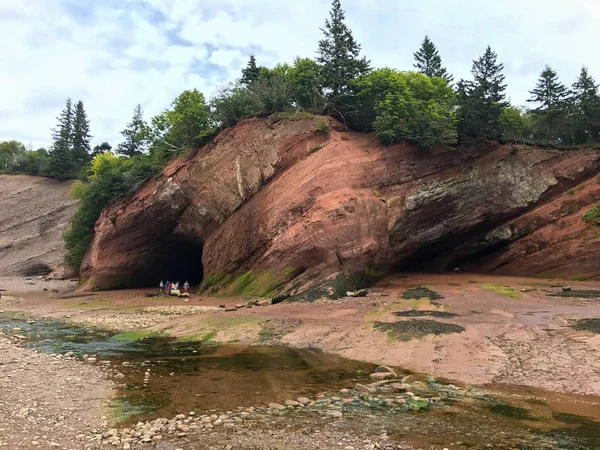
(114, 54)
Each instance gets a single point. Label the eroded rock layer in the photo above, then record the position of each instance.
(275, 206)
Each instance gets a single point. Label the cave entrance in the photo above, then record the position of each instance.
(175, 258)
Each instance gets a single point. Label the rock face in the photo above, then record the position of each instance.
(280, 206)
(34, 213)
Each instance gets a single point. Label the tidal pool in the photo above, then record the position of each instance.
(194, 376)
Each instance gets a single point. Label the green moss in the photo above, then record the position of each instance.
(591, 325)
(593, 216)
(420, 292)
(416, 313)
(571, 191)
(415, 329)
(589, 293)
(290, 114)
(136, 335)
(514, 412)
(316, 148)
(247, 284)
(505, 291)
(205, 338)
(579, 278)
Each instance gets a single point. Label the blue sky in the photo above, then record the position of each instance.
(114, 54)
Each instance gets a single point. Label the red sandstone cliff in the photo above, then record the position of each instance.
(279, 204)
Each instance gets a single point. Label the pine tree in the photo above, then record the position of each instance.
(251, 73)
(61, 156)
(429, 62)
(135, 134)
(550, 115)
(483, 99)
(101, 148)
(81, 137)
(338, 54)
(548, 91)
(585, 104)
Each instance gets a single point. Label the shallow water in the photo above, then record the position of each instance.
(198, 377)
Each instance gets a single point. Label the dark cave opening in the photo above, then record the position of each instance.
(175, 259)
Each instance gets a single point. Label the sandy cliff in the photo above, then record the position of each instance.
(34, 213)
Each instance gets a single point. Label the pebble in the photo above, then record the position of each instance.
(277, 406)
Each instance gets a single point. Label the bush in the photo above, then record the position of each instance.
(593, 216)
(109, 178)
(404, 105)
(513, 124)
(324, 128)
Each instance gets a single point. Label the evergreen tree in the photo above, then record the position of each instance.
(338, 54)
(550, 115)
(483, 99)
(251, 73)
(101, 148)
(61, 156)
(548, 92)
(429, 62)
(585, 104)
(81, 137)
(135, 134)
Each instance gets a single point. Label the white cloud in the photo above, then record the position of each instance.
(115, 54)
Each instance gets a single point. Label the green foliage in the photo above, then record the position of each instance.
(61, 157)
(429, 62)
(593, 216)
(101, 148)
(136, 135)
(405, 105)
(109, 178)
(585, 109)
(185, 126)
(251, 73)
(514, 124)
(81, 137)
(305, 81)
(338, 54)
(10, 153)
(267, 95)
(550, 115)
(482, 100)
(324, 128)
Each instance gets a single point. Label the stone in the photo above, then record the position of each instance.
(291, 403)
(408, 379)
(360, 293)
(303, 400)
(566, 288)
(91, 360)
(400, 387)
(378, 376)
(362, 388)
(383, 369)
(277, 406)
(334, 413)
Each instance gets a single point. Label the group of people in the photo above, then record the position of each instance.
(168, 287)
